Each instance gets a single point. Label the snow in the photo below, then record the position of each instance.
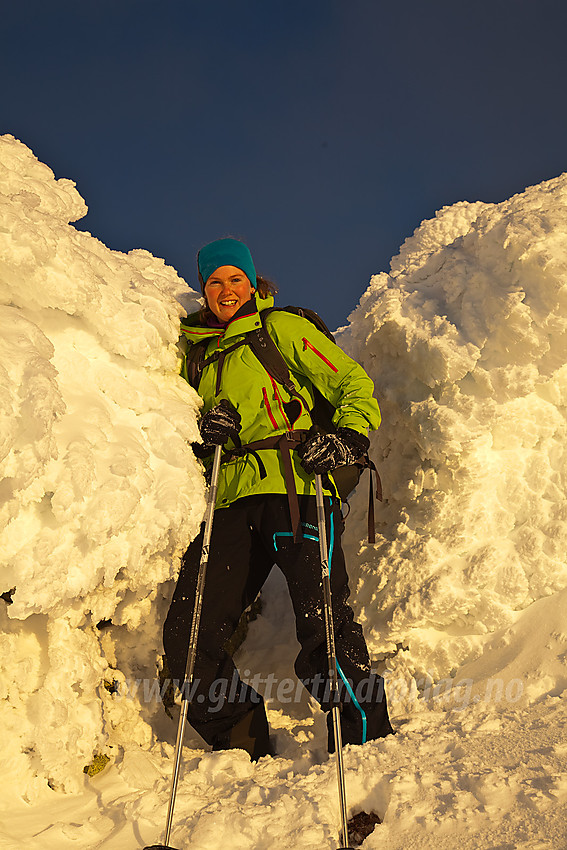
(462, 598)
(466, 340)
(100, 490)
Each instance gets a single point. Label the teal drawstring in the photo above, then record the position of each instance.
(290, 534)
(331, 545)
(340, 672)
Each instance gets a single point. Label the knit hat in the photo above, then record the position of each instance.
(225, 252)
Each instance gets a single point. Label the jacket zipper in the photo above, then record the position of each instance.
(269, 409)
(307, 344)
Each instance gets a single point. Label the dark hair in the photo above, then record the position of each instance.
(264, 286)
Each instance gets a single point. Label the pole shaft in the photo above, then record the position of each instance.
(176, 766)
(192, 648)
(331, 658)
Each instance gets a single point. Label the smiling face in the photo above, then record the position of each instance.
(226, 290)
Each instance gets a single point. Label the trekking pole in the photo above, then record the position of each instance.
(332, 660)
(192, 648)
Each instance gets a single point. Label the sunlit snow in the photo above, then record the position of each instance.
(462, 597)
(100, 492)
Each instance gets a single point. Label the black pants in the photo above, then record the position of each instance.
(247, 539)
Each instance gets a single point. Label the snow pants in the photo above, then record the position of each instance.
(248, 538)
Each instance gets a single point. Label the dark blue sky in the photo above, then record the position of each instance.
(319, 131)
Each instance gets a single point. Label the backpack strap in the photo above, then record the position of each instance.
(305, 313)
(194, 359)
(196, 362)
(263, 347)
(271, 358)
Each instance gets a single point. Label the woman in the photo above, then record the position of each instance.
(258, 520)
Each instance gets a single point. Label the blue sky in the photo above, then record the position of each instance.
(321, 132)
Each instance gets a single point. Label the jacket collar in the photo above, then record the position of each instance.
(246, 319)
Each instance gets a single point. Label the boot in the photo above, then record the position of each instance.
(250, 733)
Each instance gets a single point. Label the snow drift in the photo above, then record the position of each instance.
(100, 492)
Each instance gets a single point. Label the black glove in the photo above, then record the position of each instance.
(219, 424)
(324, 452)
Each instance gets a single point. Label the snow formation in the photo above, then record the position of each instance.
(466, 340)
(100, 491)
(462, 598)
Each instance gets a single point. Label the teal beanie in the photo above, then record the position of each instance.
(225, 252)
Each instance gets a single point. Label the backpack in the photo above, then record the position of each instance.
(345, 477)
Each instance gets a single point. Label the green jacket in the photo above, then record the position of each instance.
(312, 359)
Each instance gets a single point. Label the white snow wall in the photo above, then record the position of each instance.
(100, 493)
(466, 340)
(99, 490)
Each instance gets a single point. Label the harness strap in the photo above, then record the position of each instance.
(284, 443)
(371, 521)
